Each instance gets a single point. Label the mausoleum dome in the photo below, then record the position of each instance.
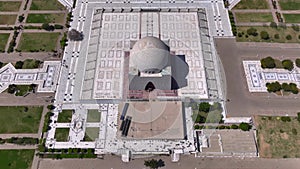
(150, 55)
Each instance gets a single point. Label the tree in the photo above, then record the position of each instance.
(296, 27)
(288, 64)
(47, 27)
(245, 126)
(12, 89)
(298, 63)
(276, 36)
(288, 37)
(267, 62)
(294, 88)
(204, 106)
(154, 164)
(75, 35)
(298, 117)
(50, 107)
(234, 126)
(264, 35)
(19, 65)
(273, 25)
(252, 31)
(273, 87)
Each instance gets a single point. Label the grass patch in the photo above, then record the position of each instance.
(292, 18)
(46, 5)
(282, 33)
(20, 119)
(16, 159)
(278, 137)
(65, 116)
(23, 89)
(91, 133)
(252, 4)
(8, 19)
(9, 6)
(3, 41)
(289, 4)
(61, 134)
(46, 18)
(93, 116)
(253, 17)
(38, 42)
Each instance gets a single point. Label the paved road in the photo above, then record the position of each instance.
(16, 147)
(4, 136)
(186, 162)
(30, 100)
(241, 101)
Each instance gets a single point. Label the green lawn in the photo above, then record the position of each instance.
(9, 6)
(276, 138)
(8, 19)
(91, 134)
(65, 116)
(289, 4)
(38, 42)
(61, 134)
(252, 4)
(93, 116)
(14, 119)
(16, 159)
(253, 17)
(271, 31)
(46, 5)
(292, 18)
(3, 40)
(23, 89)
(46, 18)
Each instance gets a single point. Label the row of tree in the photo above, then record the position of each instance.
(242, 126)
(276, 86)
(270, 63)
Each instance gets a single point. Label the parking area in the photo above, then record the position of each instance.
(240, 102)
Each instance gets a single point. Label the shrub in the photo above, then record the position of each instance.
(288, 64)
(19, 65)
(204, 106)
(276, 36)
(56, 26)
(295, 27)
(47, 27)
(273, 87)
(264, 35)
(267, 62)
(252, 31)
(285, 118)
(298, 63)
(288, 37)
(196, 127)
(298, 117)
(294, 131)
(273, 25)
(234, 126)
(245, 126)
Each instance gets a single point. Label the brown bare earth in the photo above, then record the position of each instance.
(276, 138)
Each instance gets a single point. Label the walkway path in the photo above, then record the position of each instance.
(32, 135)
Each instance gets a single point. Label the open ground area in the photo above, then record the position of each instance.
(38, 42)
(46, 5)
(46, 18)
(7, 19)
(289, 4)
(20, 119)
(252, 4)
(281, 32)
(16, 159)
(253, 17)
(65, 116)
(9, 6)
(62, 134)
(3, 40)
(278, 138)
